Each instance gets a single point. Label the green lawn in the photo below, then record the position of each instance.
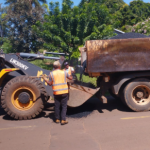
(87, 79)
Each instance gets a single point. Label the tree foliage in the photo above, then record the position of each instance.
(32, 24)
(131, 14)
(141, 27)
(3, 26)
(21, 15)
(112, 5)
(65, 30)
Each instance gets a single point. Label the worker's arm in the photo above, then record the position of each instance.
(69, 77)
(48, 82)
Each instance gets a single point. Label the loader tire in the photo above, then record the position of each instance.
(136, 94)
(23, 97)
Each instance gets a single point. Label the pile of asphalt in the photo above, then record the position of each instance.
(129, 36)
(82, 111)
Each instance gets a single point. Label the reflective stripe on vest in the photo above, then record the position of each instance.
(59, 84)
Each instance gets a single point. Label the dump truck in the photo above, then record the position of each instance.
(121, 66)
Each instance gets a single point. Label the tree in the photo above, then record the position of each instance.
(65, 30)
(5, 43)
(135, 12)
(112, 5)
(3, 27)
(90, 1)
(21, 15)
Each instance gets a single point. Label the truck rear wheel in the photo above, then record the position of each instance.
(136, 95)
(23, 97)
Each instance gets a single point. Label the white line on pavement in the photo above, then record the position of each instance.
(135, 117)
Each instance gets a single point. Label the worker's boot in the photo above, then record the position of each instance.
(63, 122)
(57, 121)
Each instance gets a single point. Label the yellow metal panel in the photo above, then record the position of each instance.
(4, 71)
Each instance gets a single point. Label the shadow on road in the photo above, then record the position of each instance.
(94, 104)
(2, 112)
(82, 111)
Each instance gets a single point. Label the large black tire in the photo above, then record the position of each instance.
(10, 94)
(136, 94)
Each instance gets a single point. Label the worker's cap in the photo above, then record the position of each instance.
(66, 63)
(56, 63)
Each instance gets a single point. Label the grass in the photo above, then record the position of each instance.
(87, 79)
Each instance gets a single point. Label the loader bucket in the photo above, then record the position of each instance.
(78, 94)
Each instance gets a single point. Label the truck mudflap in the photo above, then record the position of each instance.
(79, 94)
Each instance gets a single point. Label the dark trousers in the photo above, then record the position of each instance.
(61, 102)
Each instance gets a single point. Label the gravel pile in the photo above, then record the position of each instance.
(129, 36)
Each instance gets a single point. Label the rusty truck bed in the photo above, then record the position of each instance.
(118, 55)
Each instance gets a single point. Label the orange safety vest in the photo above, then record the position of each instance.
(69, 71)
(59, 82)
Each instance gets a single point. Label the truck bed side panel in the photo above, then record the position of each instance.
(118, 55)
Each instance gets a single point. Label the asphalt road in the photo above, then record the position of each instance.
(109, 126)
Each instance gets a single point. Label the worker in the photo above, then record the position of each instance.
(58, 81)
(69, 69)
